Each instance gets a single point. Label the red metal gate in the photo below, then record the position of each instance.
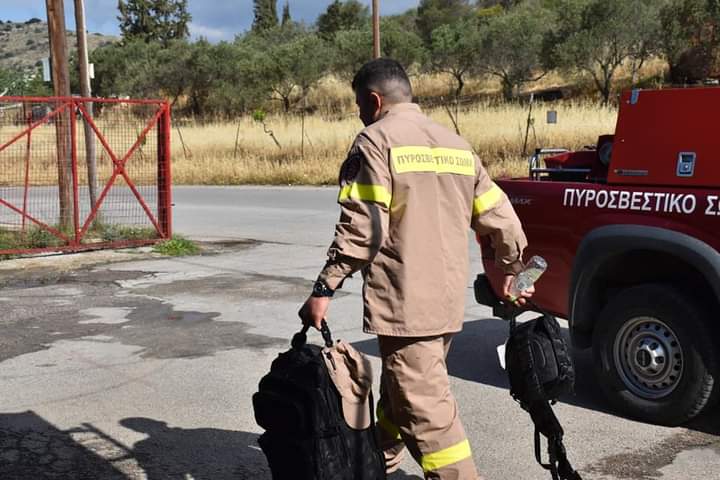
(78, 174)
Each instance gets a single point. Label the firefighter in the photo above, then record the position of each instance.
(409, 191)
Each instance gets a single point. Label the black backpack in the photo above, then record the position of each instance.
(306, 436)
(540, 369)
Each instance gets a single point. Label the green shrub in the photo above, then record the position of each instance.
(39, 238)
(177, 247)
(114, 233)
(8, 239)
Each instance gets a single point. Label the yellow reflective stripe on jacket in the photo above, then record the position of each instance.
(364, 192)
(446, 456)
(389, 427)
(487, 200)
(433, 159)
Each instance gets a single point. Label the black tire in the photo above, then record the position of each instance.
(638, 328)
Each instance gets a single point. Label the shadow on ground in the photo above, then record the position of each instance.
(198, 453)
(33, 448)
(202, 454)
(473, 357)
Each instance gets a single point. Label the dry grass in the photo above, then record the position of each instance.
(496, 132)
(209, 156)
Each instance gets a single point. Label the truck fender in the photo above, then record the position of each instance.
(603, 243)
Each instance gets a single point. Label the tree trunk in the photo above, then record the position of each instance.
(458, 92)
(286, 103)
(460, 86)
(508, 89)
(606, 91)
(195, 105)
(602, 84)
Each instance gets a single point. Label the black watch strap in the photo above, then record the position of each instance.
(322, 290)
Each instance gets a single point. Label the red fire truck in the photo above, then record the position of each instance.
(631, 232)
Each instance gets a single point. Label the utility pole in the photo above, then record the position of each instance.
(376, 28)
(61, 85)
(85, 91)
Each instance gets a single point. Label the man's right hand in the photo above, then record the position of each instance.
(314, 310)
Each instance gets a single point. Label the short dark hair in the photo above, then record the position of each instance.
(386, 77)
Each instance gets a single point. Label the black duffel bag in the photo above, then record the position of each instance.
(301, 410)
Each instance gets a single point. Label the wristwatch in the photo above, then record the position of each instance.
(321, 290)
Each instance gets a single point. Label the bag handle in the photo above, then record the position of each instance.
(512, 311)
(300, 339)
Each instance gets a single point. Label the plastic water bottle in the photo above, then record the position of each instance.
(527, 278)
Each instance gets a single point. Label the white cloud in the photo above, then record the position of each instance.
(210, 33)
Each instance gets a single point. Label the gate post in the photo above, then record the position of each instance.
(74, 169)
(164, 180)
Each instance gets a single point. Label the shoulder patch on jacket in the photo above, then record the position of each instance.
(350, 167)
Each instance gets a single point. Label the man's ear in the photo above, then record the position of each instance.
(377, 102)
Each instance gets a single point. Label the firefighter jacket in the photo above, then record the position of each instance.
(409, 191)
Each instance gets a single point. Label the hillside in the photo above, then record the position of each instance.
(23, 45)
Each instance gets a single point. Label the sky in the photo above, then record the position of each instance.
(215, 20)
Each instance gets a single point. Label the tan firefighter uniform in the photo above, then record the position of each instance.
(410, 189)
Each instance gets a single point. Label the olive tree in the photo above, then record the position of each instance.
(690, 38)
(339, 16)
(455, 50)
(512, 45)
(352, 48)
(292, 60)
(601, 37)
(432, 14)
(400, 43)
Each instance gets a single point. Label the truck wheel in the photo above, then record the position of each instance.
(654, 355)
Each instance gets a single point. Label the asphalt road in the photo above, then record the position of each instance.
(120, 205)
(145, 369)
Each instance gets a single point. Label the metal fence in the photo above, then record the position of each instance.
(78, 174)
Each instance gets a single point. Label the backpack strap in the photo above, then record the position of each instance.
(565, 470)
(547, 423)
(300, 338)
(538, 456)
(513, 322)
(327, 336)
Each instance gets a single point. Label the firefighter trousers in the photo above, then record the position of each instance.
(417, 410)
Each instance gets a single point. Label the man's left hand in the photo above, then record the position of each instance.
(314, 310)
(524, 295)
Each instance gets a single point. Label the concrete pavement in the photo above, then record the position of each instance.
(145, 369)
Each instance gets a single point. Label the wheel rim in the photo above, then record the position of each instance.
(648, 357)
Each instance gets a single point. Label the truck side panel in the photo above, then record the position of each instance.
(556, 216)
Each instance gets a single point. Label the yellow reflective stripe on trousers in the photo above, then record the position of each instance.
(447, 456)
(365, 192)
(487, 200)
(389, 427)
